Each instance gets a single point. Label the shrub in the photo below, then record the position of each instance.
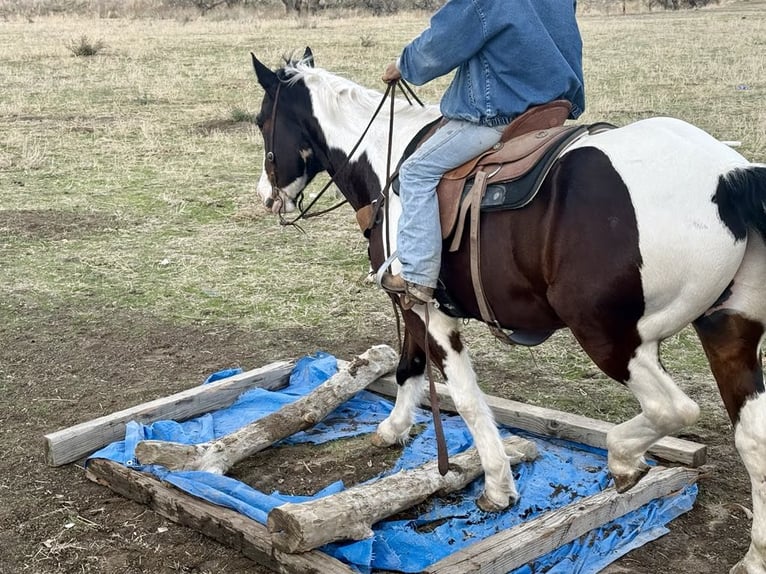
(84, 46)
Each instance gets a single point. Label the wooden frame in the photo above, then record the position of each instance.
(498, 554)
(74, 443)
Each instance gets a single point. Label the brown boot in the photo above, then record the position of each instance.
(409, 293)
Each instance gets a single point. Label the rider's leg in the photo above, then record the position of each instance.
(419, 241)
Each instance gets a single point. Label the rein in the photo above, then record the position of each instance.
(433, 398)
(304, 213)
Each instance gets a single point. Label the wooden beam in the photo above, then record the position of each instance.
(227, 526)
(350, 514)
(559, 424)
(526, 542)
(73, 443)
(221, 454)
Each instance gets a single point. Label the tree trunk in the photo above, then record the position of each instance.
(220, 455)
(350, 514)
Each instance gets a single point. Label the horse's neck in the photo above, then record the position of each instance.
(343, 121)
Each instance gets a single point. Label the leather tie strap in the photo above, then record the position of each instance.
(441, 444)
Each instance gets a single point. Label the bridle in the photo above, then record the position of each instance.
(272, 160)
(442, 455)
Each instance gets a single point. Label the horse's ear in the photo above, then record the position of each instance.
(266, 78)
(308, 56)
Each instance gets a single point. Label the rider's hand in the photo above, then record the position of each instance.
(391, 73)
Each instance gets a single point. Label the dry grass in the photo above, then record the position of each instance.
(154, 137)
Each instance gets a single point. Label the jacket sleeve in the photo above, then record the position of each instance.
(457, 31)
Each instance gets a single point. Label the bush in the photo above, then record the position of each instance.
(84, 47)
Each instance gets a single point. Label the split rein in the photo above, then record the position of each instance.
(390, 93)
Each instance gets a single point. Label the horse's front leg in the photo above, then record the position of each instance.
(470, 402)
(409, 376)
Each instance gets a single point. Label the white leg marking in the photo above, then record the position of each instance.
(396, 427)
(750, 438)
(499, 489)
(665, 409)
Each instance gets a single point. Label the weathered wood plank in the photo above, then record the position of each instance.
(559, 424)
(524, 543)
(221, 454)
(73, 443)
(350, 514)
(222, 524)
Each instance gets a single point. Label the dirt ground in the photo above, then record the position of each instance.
(62, 366)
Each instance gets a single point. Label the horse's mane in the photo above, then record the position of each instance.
(341, 97)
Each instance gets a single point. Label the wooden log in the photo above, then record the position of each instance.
(220, 455)
(227, 526)
(559, 424)
(73, 443)
(512, 548)
(350, 514)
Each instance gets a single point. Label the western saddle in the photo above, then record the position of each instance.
(507, 176)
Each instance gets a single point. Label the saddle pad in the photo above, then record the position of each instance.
(518, 192)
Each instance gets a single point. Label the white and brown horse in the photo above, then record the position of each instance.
(635, 233)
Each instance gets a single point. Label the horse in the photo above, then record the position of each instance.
(635, 233)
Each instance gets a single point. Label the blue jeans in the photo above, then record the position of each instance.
(419, 239)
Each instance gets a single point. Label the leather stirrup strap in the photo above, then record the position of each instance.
(487, 315)
(479, 186)
(433, 397)
(457, 237)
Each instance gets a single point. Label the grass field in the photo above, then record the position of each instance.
(135, 257)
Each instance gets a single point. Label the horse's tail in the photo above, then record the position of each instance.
(741, 199)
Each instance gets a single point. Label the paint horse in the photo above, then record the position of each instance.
(635, 233)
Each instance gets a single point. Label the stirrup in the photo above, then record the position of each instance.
(383, 268)
(412, 294)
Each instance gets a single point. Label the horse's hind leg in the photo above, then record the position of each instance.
(731, 342)
(409, 376)
(731, 335)
(665, 409)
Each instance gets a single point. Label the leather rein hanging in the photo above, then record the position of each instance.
(441, 445)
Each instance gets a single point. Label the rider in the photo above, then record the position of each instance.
(509, 55)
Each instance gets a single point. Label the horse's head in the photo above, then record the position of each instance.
(289, 131)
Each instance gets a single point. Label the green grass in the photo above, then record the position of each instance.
(154, 136)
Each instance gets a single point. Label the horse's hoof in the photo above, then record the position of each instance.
(377, 440)
(486, 504)
(624, 482)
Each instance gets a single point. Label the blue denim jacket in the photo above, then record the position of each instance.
(509, 55)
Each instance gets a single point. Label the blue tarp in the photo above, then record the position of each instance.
(563, 473)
